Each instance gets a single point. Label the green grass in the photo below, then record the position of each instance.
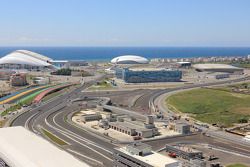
(212, 106)
(102, 85)
(236, 165)
(50, 96)
(2, 122)
(12, 109)
(54, 138)
(244, 64)
(27, 100)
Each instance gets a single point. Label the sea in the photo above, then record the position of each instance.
(107, 53)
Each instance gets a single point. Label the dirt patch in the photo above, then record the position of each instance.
(242, 110)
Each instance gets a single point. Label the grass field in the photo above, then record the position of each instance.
(101, 86)
(212, 106)
(53, 137)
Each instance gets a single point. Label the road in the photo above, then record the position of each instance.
(160, 102)
(85, 145)
(51, 116)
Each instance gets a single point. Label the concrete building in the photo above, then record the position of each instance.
(184, 152)
(183, 64)
(218, 75)
(18, 79)
(68, 63)
(91, 116)
(218, 68)
(41, 80)
(144, 75)
(222, 76)
(182, 128)
(21, 148)
(5, 74)
(139, 154)
(133, 127)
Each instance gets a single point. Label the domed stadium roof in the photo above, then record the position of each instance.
(129, 59)
(25, 57)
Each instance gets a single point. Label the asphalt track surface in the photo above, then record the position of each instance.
(51, 116)
(85, 145)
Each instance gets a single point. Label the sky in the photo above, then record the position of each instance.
(125, 23)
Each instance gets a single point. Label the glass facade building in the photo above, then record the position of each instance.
(149, 75)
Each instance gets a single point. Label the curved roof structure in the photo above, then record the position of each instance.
(129, 59)
(22, 148)
(25, 57)
(216, 67)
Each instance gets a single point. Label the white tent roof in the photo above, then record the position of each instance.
(25, 57)
(21, 148)
(130, 58)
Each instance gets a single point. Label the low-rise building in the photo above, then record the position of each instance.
(5, 74)
(91, 116)
(18, 79)
(139, 154)
(218, 68)
(133, 127)
(69, 63)
(184, 64)
(41, 80)
(217, 75)
(182, 128)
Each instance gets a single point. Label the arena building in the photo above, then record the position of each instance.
(21, 148)
(129, 59)
(218, 68)
(144, 75)
(24, 59)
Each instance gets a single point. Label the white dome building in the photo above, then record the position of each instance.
(129, 59)
(24, 59)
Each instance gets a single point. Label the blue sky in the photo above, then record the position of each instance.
(125, 23)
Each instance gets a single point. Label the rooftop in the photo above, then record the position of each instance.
(25, 57)
(130, 125)
(214, 66)
(149, 69)
(184, 62)
(154, 159)
(89, 112)
(21, 148)
(139, 146)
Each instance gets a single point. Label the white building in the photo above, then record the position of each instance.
(129, 59)
(21, 148)
(218, 68)
(41, 80)
(140, 154)
(24, 59)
